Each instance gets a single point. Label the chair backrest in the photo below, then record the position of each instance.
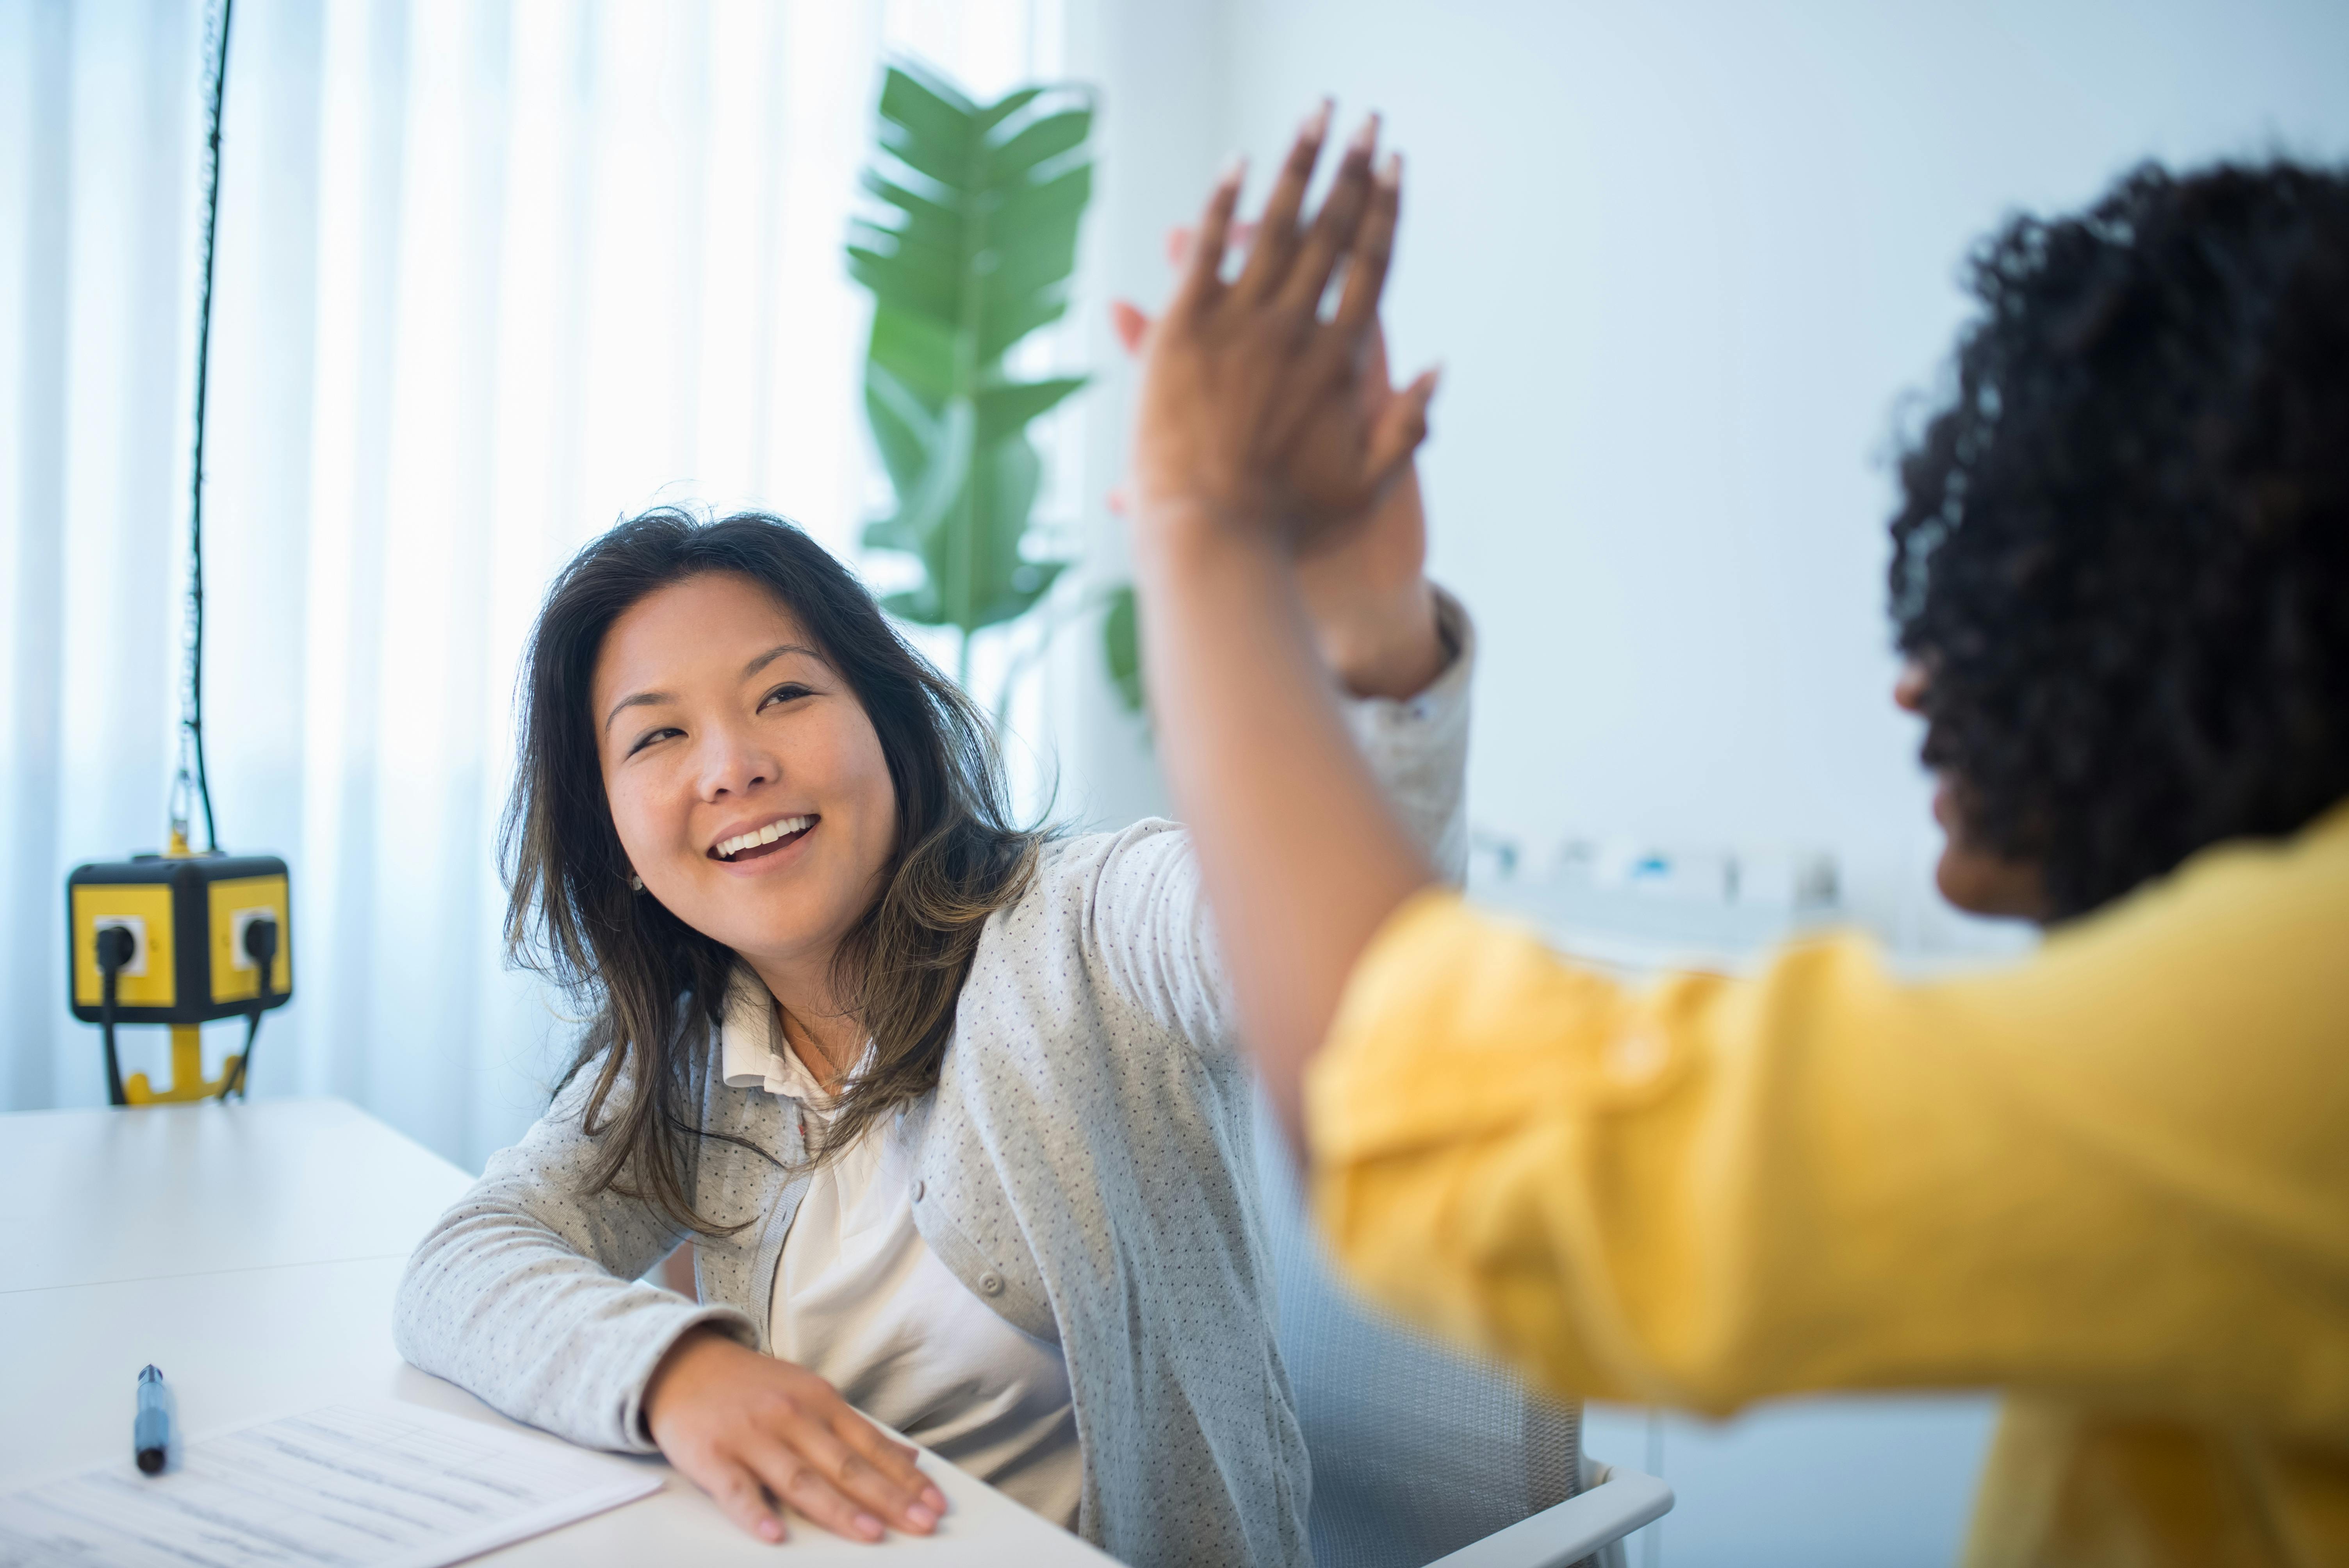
(1417, 1449)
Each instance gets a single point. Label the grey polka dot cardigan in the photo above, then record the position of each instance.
(1086, 1168)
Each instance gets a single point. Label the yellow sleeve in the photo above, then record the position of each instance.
(2118, 1171)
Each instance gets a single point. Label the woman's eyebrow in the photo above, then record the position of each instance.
(641, 699)
(777, 652)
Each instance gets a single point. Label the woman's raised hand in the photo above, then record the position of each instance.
(754, 1433)
(1364, 582)
(1254, 414)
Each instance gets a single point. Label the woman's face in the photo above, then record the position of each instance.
(1975, 879)
(747, 786)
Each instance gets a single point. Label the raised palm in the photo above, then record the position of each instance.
(1362, 546)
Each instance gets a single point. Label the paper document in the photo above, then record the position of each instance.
(357, 1486)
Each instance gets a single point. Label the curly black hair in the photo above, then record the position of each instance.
(2122, 557)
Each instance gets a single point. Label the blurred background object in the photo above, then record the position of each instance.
(972, 256)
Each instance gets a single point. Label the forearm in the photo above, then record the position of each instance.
(1710, 1191)
(498, 1302)
(1301, 857)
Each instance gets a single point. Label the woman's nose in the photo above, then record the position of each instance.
(733, 763)
(1909, 691)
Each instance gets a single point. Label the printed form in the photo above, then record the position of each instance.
(356, 1486)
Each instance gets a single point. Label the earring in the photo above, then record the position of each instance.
(635, 882)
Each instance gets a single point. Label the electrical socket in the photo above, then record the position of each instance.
(238, 920)
(136, 927)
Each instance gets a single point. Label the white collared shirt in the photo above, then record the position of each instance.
(863, 1302)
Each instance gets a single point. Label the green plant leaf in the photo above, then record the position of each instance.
(1038, 141)
(903, 429)
(975, 572)
(917, 351)
(1005, 411)
(971, 247)
(1121, 647)
(927, 124)
(1003, 108)
(1057, 201)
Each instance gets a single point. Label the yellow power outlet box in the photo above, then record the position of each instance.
(186, 916)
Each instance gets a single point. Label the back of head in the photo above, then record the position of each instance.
(2122, 556)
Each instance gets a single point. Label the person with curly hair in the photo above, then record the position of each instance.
(2120, 570)
(2111, 1179)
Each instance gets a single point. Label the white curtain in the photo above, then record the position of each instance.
(491, 273)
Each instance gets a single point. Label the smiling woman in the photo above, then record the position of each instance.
(675, 668)
(952, 1107)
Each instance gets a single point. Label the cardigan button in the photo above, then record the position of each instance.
(919, 1189)
(991, 1282)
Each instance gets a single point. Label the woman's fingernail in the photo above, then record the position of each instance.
(1391, 170)
(1367, 138)
(934, 1498)
(922, 1517)
(1317, 124)
(770, 1530)
(1237, 170)
(869, 1526)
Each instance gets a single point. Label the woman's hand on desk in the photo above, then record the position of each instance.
(753, 1431)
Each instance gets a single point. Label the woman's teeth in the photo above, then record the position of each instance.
(730, 848)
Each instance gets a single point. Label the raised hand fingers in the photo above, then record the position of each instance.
(1130, 325)
(1334, 226)
(1275, 237)
(1401, 427)
(1178, 241)
(1204, 274)
(1373, 248)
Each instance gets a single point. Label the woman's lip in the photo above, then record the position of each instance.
(767, 857)
(758, 825)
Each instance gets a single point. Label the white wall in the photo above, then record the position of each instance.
(1680, 263)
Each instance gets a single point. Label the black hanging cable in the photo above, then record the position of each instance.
(260, 946)
(192, 786)
(115, 948)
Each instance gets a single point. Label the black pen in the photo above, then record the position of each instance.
(151, 1433)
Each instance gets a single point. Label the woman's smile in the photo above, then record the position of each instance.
(763, 842)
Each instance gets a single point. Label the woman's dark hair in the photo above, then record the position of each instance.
(2122, 557)
(656, 988)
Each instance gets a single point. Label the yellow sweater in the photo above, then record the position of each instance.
(2113, 1180)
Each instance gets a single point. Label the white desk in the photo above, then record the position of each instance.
(250, 1250)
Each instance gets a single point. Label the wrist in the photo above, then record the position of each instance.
(1390, 648)
(1179, 538)
(675, 1368)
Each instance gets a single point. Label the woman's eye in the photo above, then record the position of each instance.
(789, 691)
(651, 736)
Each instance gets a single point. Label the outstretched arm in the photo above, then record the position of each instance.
(1255, 445)
(1366, 592)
